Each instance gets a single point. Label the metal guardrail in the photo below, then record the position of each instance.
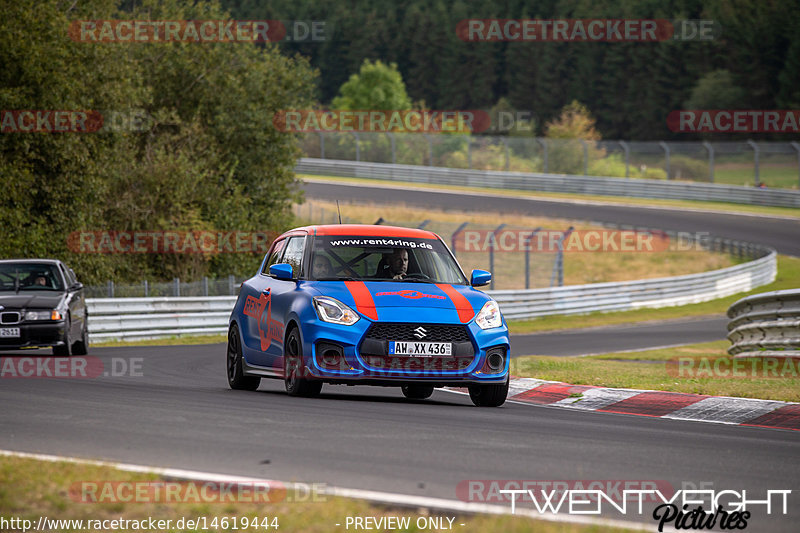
(765, 325)
(143, 318)
(598, 185)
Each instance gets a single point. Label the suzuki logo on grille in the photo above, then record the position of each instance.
(420, 332)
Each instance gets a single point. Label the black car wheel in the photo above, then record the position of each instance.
(293, 368)
(81, 347)
(417, 392)
(489, 395)
(64, 349)
(236, 378)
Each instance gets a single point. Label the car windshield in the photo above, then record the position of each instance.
(383, 258)
(29, 277)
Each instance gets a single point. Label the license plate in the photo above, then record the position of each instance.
(420, 349)
(9, 332)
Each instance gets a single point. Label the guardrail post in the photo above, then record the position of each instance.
(394, 147)
(492, 243)
(664, 147)
(627, 150)
(585, 157)
(231, 285)
(796, 146)
(146, 289)
(558, 266)
(177, 286)
(710, 149)
(430, 149)
(469, 153)
(358, 146)
(543, 144)
(454, 235)
(528, 258)
(508, 154)
(205, 285)
(110, 288)
(756, 151)
(321, 145)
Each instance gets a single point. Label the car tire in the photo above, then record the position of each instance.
(236, 378)
(489, 395)
(81, 347)
(293, 364)
(64, 349)
(417, 392)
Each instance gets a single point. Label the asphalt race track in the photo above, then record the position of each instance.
(621, 338)
(180, 413)
(781, 233)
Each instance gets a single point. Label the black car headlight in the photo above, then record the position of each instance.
(51, 314)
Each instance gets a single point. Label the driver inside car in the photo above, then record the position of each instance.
(398, 263)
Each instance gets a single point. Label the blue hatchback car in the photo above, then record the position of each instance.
(368, 305)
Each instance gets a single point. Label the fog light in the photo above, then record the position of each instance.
(330, 356)
(495, 361)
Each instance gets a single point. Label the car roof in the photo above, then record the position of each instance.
(49, 261)
(366, 230)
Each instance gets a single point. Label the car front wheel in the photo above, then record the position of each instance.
(293, 368)
(489, 395)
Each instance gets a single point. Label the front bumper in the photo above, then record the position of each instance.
(41, 335)
(360, 360)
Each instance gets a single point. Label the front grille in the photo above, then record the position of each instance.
(421, 364)
(406, 332)
(9, 318)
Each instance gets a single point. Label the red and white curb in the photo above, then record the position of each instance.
(659, 404)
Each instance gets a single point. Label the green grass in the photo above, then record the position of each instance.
(31, 489)
(773, 176)
(681, 204)
(168, 341)
(788, 278)
(621, 370)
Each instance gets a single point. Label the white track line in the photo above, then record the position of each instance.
(384, 498)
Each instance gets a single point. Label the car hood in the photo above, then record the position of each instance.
(396, 301)
(30, 299)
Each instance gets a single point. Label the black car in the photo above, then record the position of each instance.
(42, 304)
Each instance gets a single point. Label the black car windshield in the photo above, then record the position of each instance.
(400, 259)
(30, 277)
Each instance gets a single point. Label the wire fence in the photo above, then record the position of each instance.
(748, 163)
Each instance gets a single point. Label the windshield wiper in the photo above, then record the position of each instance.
(337, 278)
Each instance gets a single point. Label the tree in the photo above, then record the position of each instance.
(376, 86)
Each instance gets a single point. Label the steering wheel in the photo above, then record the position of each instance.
(419, 275)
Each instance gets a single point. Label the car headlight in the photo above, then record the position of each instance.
(332, 310)
(489, 316)
(43, 315)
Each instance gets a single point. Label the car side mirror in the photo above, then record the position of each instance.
(282, 271)
(480, 278)
(77, 286)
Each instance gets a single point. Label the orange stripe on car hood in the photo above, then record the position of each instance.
(364, 302)
(465, 310)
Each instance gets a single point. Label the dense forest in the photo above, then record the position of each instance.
(753, 62)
